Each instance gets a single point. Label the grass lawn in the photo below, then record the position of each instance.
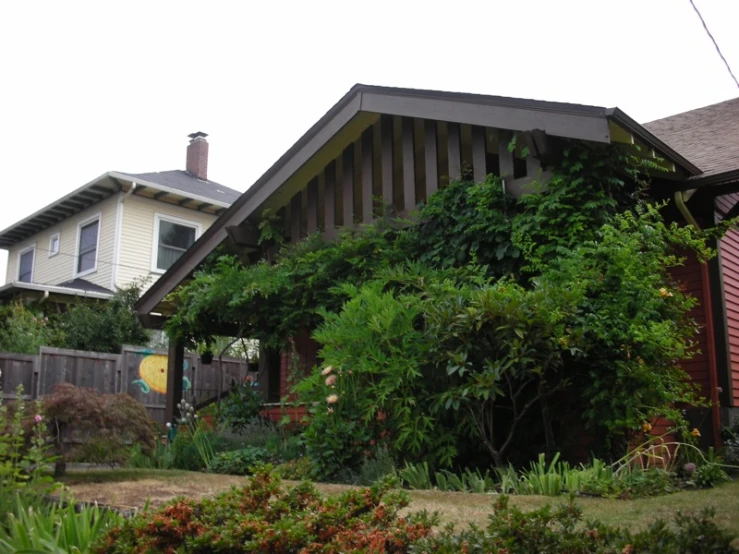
(131, 487)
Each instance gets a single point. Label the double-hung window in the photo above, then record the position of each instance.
(25, 265)
(87, 246)
(172, 236)
(54, 244)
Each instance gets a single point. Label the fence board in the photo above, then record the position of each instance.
(140, 372)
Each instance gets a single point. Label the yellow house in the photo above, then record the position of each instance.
(117, 228)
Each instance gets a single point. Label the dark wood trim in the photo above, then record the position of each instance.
(312, 206)
(431, 157)
(329, 200)
(367, 173)
(160, 194)
(454, 151)
(202, 206)
(347, 185)
(296, 224)
(479, 165)
(183, 201)
(505, 157)
(175, 362)
(409, 168)
(386, 138)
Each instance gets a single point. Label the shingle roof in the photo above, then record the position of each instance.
(708, 137)
(82, 284)
(189, 185)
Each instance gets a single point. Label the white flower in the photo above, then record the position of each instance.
(169, 425)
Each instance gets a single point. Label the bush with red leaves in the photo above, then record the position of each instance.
(107, 423)
(263, 518)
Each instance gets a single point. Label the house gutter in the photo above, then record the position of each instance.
(681, 197)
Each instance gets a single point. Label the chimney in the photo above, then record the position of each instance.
(197, 156)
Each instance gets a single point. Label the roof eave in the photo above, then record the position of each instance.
(640, 131)
(169, 190)
(55, 289)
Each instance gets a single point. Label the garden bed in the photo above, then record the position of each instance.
(128, 488)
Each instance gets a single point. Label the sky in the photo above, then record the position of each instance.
(89, 87)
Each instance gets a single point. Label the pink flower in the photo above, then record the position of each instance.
(332, 398)
(37, 419)
(330, 380)
(327, 370)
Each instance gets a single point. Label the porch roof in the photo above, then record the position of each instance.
(362, 106)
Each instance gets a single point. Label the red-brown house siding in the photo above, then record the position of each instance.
(690, 278)
(729, 258)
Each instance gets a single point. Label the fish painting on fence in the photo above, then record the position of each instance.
(153, 373)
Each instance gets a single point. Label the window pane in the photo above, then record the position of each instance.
(86, 261)
(26, 267)
(178, 236)
(88, 246)
(54, 245)
(89, 236)
(168, 256)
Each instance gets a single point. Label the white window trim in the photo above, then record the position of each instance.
(33, 262)
(58, 236)
(155, 239)
(98, 216)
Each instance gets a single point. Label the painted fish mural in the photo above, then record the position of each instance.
(153, 373)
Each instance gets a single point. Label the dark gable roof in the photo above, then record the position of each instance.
(556, 118)
(709, 137)
(189, 185)
(82, 284)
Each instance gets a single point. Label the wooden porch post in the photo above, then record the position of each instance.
(479, 168)
(175, 362)
(409, 169)
(432, 174)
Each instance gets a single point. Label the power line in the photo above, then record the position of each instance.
(714, 42)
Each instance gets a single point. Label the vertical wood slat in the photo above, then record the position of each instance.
(505, 157)
(479, 168)
(329, 200)
(312, 206)
(367, 174)
(347, 184)
(409, 170)
(295, 218)
(454, 151)
(386, 137)
(175, 359)
(430, 145)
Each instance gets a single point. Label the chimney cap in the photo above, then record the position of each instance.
(197, 135)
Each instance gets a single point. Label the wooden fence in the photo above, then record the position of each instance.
(140, 372)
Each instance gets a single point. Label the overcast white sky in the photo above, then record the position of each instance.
(87, 87)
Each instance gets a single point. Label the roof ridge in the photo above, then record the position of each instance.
(715, 104)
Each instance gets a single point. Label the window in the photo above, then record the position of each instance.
(54, 245)
(173, 236)
(87, 246)
(25, 265)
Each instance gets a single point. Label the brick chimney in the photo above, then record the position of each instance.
(197, 156)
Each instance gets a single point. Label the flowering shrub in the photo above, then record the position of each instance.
(22, 330)
(262, 518)
(24, 453)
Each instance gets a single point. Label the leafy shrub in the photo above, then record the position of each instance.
(23, 330)
(297, 469)
(562, 531)
(115, 420)
(730, 435)
(238, 462)
(103, 326)
(261, 518)
(24, 453)
(241, 406)
(709, 475)
(55, 529)
(379, 465)
(416, 476)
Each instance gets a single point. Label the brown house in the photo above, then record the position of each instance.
(401, 145)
